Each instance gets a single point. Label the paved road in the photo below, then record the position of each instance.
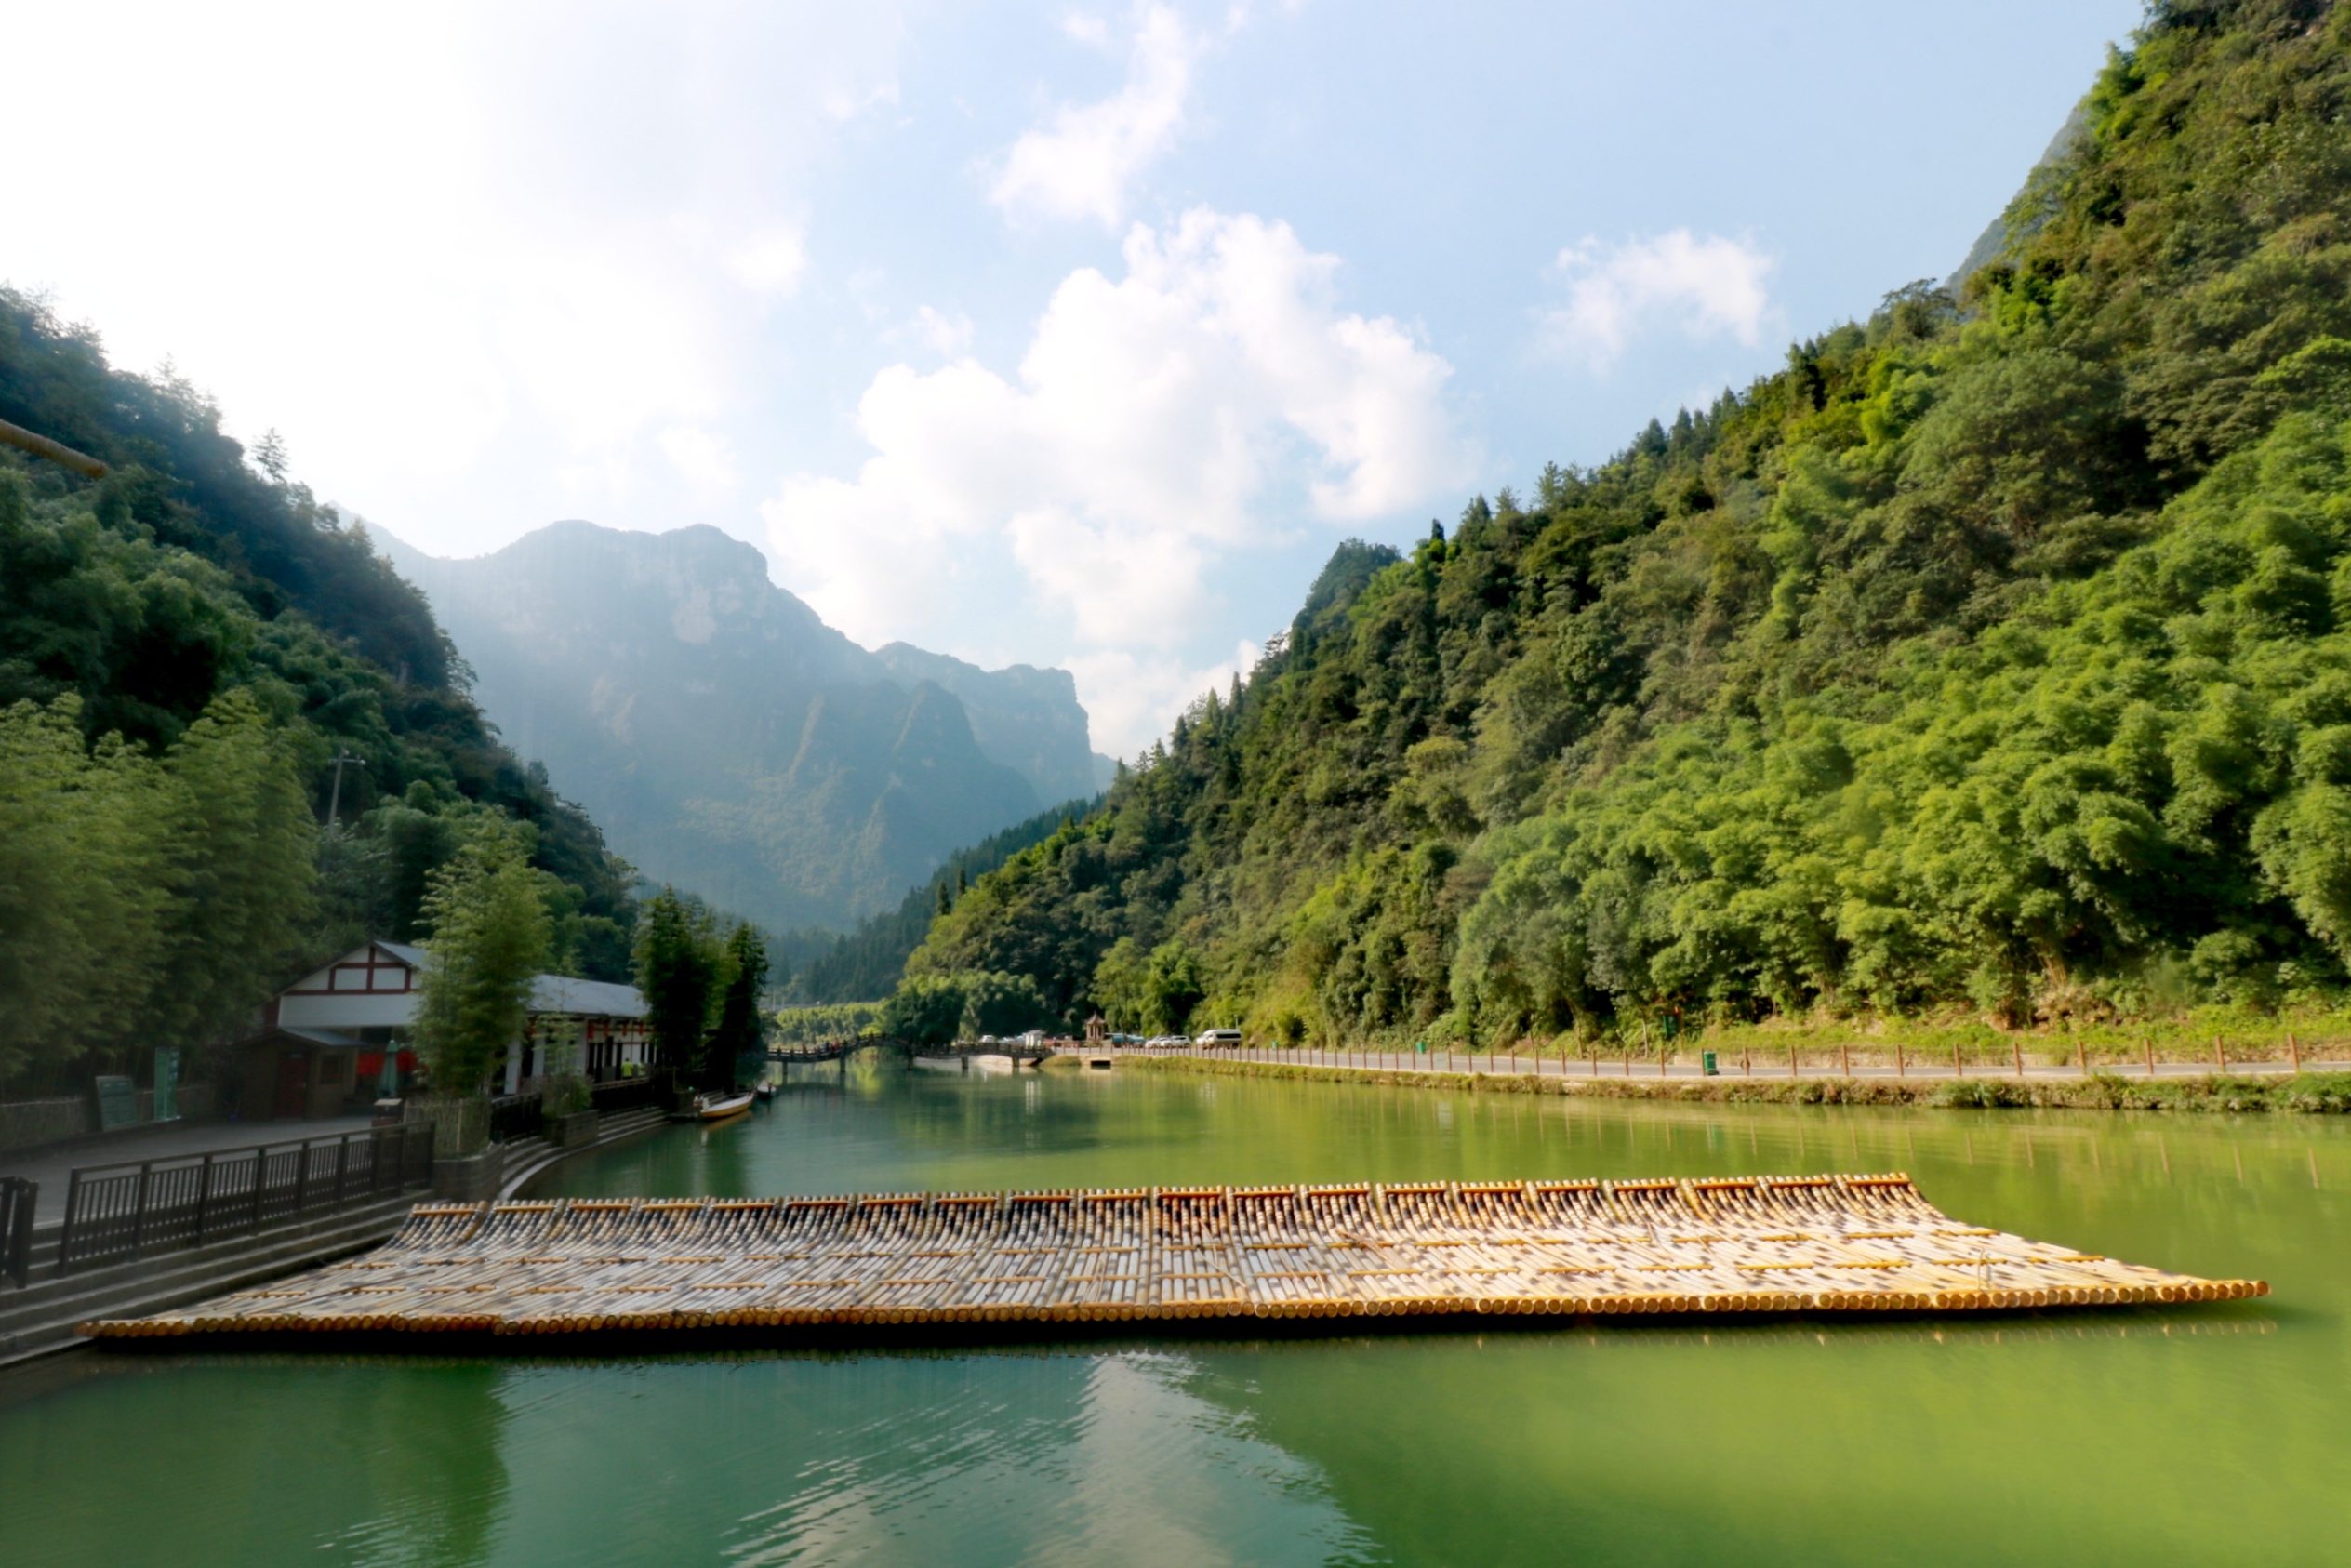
(53, 1166)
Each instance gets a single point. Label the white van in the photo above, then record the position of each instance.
(1212, 1037)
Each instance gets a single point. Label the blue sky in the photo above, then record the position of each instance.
(1064, 334)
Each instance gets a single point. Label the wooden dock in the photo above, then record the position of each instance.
(911, 1261)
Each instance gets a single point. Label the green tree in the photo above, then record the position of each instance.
(925, 1010)
(678, 959)
(1001, 1005)
(741, 1028)
(489, 938)
(85, 873)
(244, 891)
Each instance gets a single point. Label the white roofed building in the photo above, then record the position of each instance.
(322, 1040)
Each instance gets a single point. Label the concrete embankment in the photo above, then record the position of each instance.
(2308, 1093)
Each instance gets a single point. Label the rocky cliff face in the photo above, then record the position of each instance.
(730, 741)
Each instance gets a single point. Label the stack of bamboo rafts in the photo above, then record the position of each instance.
(1746, 1246)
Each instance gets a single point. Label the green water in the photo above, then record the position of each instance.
(2214, 1435)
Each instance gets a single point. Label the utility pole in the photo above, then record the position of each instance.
(335, 799)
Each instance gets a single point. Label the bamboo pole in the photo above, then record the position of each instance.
(2150, 1041)
(1900, 1066)
(2220, 1053)
(2294, 1055)
(56, 452)
(1825, 1244)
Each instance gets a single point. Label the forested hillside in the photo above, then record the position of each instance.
(726, 738)
(184, 645)
(1995, 655)
(865, 964)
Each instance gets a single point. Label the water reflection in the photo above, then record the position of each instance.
(253, 1460)
(2215, 1434)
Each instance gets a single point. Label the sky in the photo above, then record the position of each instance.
(1068, 335)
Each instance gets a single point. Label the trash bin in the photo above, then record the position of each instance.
(1707, 1065)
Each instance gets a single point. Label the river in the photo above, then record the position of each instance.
(2218, 1434)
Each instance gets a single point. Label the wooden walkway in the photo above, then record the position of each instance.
(1822, 1245)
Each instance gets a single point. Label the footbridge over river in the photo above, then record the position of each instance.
(917, 1264)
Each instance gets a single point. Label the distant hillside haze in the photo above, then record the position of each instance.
(728, 739)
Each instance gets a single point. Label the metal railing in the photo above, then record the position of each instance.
(117, 1213)
(631, 1094)
(517, 1116)
(18, 1196)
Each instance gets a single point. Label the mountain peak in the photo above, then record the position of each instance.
(730, 740)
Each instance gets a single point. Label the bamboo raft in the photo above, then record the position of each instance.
(1816, 1245)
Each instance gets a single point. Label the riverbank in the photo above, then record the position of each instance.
(2321, 1094)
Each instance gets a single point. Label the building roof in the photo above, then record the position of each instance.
(388, 997)
(323, 1037)
(594, 999)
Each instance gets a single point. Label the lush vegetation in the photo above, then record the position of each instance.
(142, 886)
(1993, 658)
(490, 932)
(867, 963)
(184, 646)
(703, 985)
(934, 1009)
(826, 1022)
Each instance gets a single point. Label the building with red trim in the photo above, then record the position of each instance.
(322, 1039)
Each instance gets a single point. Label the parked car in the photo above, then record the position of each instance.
(1167, 1040)
(1218, 1037)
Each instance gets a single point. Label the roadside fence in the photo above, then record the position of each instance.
(122, 1212)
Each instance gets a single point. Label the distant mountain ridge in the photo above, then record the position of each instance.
(728, 739)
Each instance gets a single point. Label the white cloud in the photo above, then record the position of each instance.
(770, 262)
(1210, 400)
(1079, 167)
(705, 458)
(1614, 293)
(496, 248)
(1133, 699)
(949, 336)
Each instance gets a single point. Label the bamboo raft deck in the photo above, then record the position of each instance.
(1816, 1245)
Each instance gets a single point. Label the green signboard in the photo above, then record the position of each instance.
(118, 1102)
(167, 1084)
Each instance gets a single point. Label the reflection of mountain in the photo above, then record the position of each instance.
(731, 742)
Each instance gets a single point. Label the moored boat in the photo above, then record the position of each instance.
(714, 1107)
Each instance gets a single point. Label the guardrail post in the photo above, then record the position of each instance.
(204, 1199)
(65, 1231)
(260, 1174)
(342, 1165)
(139, 1213)
(19, 1197)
